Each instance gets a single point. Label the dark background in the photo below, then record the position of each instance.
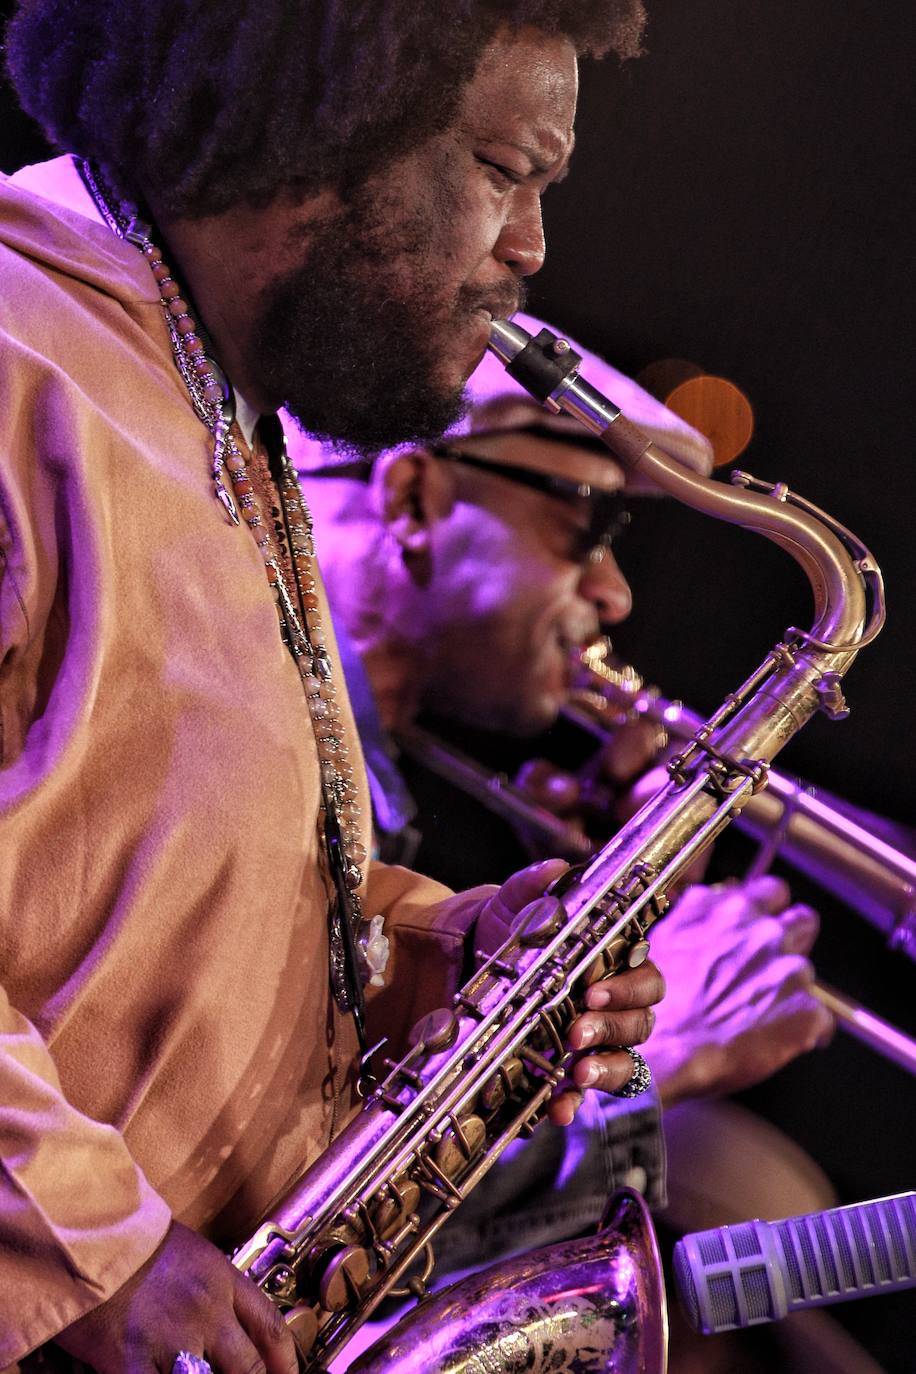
(742, 197)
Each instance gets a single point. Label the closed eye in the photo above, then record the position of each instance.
(501, 175)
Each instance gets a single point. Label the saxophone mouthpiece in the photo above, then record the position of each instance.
(507, 340)
(546, 366)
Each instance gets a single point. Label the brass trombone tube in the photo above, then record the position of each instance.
(879, 1035)
(493, 791)
(814, 842)
(807, 827)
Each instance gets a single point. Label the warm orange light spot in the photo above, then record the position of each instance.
(718, 409)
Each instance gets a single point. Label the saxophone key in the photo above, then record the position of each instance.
(400, 1201)
(502, 1085)
(436, 1031)
(343, 1278)
(464, 1139)
(302, 1323)
(638, 954)
(540, 920)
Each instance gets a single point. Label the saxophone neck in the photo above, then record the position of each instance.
(844, 578)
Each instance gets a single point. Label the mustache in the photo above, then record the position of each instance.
(499, 301)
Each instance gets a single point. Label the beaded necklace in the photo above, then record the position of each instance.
(273, 507)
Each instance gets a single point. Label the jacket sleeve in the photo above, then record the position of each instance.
(77, 1216)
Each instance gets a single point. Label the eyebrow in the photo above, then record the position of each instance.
(543, 168)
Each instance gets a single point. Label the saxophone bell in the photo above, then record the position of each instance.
(549, 1309)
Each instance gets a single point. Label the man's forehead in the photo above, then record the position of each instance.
(524, 92)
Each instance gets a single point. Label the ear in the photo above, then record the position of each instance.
(412, 492)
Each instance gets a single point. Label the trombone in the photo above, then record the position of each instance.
(835, 845)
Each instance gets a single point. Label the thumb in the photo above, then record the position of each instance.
(263, 1323)
(523, 887)
(497, 915)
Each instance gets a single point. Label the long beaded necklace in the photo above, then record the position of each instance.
(287, 548)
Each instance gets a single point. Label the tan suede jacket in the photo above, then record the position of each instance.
(168, 1045)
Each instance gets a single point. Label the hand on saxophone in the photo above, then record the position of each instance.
(738, 1006)
(187, 1297)
(619, 1009)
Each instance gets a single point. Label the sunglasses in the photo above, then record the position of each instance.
(608, 516)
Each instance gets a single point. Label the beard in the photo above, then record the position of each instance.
(357, 357)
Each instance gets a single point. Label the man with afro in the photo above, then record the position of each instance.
(312, 205)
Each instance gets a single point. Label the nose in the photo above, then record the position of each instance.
(603, 585)
(521, 243)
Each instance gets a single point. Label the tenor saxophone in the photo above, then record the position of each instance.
(359, 1224)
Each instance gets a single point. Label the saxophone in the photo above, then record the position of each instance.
(359, 1224)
